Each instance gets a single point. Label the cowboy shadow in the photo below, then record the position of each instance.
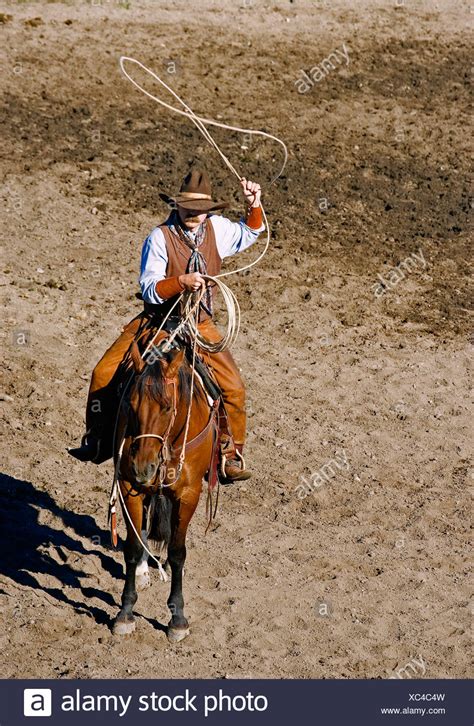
(22, 536)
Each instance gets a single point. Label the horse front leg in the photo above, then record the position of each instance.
(133, 551)
(178, 626)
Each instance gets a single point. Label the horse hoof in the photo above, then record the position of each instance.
(176, 634)
(143, 581)
(124, 627)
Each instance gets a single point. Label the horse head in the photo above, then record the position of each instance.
(153, 407)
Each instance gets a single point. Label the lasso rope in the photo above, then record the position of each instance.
(201, 124)
(198, 121)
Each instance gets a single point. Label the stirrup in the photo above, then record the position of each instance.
(241, 457)
(224, 461)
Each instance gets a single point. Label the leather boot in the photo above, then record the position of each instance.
(234, 468)
(88, 450)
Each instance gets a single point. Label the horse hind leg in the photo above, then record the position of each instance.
(142, 573)
(159, 530)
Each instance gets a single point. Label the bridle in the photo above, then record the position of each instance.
(165, 451)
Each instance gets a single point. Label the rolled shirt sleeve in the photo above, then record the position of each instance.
(233, 237)
(154, 262)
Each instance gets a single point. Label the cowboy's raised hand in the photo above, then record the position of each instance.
(252, 192)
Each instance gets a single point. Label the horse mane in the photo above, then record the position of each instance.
(150, 381)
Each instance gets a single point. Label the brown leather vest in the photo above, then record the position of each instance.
(179, 254)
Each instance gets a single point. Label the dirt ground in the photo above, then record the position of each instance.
(368, 572)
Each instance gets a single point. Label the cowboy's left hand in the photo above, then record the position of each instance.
(252, 192)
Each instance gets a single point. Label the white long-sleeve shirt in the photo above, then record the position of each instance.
(231, 237)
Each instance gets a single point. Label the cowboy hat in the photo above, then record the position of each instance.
(195, 193)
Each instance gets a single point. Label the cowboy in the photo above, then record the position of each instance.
(176, 254)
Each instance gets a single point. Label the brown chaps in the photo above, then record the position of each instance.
(102, 401)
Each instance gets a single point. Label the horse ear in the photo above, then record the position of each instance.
(137, 360)
(175, 365)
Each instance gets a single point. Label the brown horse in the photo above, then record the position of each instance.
(159, 496)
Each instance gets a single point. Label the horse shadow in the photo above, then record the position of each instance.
(24, 543)
(22, 537)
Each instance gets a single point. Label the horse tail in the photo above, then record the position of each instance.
(159, 528)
